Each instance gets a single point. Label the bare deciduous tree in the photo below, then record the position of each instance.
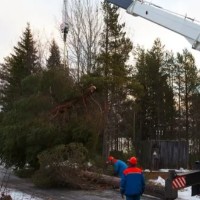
(83, 37)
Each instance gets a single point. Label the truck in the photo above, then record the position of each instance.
(183, 25)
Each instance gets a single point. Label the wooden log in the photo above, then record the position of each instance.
(102, 178)
(114, 182)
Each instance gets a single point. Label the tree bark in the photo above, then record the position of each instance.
(101, 178)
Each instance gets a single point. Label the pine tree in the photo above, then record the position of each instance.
(186, 85)
(157, 103)
(113, 71)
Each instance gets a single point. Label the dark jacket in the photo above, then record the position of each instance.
(132, 182)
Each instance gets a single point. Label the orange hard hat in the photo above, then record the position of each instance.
(133, 160)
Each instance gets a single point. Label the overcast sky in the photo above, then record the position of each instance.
(45, 17)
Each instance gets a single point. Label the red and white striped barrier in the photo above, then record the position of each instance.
(179, 182)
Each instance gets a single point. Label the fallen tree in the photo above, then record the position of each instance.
(114, 182)
(65, 166)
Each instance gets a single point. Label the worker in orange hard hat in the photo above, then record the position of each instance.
(119, 165)
(132, 183)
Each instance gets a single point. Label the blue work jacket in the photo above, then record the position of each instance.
(132, 182)
(119, 167)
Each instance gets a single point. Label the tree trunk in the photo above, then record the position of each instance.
(151, 189)
(101, 178)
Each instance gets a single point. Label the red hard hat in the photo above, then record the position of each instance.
(133, 160)
(110, 158)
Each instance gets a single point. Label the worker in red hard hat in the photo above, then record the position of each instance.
(132, 183)
(132, 161)
(119, 165)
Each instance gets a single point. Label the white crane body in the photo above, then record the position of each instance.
(184, 26)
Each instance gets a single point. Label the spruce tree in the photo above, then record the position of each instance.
(20, 64)
(27, 127)
(54, 60)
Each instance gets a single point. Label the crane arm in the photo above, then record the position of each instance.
(184, 26)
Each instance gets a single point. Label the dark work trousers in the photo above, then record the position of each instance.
(134, 197)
